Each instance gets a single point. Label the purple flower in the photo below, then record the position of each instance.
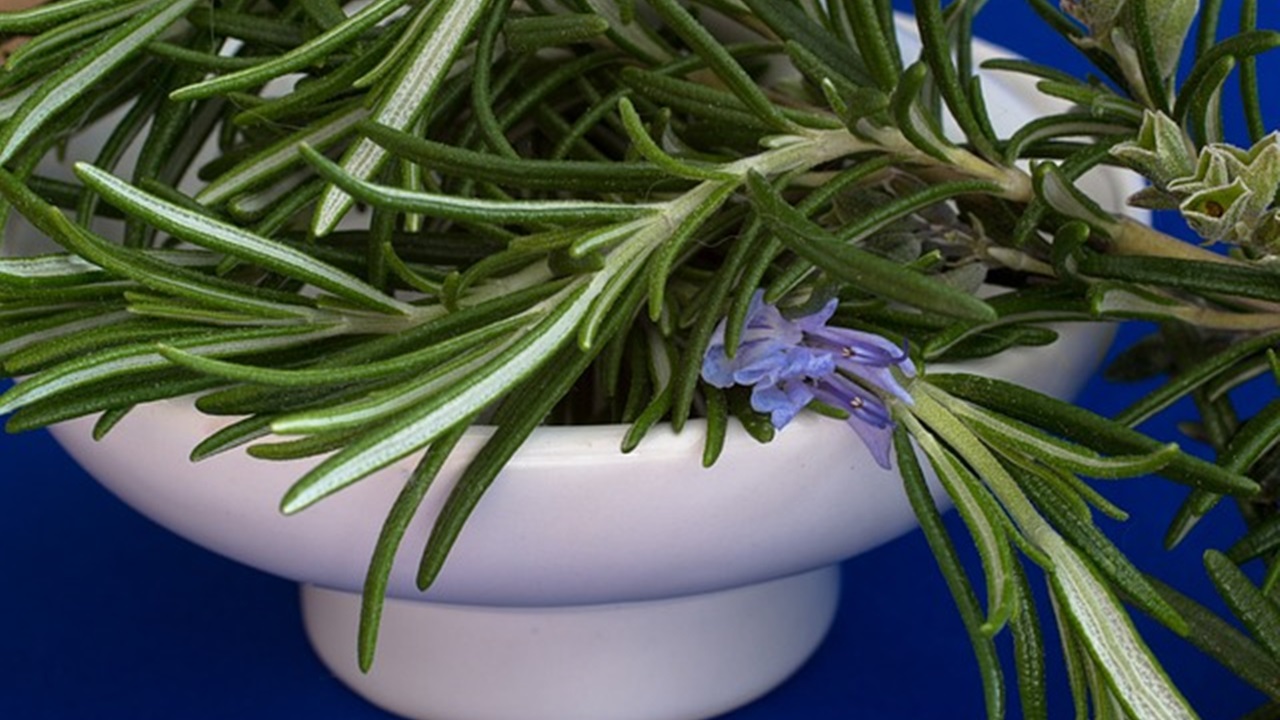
(868, 416)
(790, 363)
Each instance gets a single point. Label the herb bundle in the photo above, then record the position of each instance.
(361, 229)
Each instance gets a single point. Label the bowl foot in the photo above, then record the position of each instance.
(680, 658)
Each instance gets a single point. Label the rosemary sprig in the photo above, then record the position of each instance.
(365, 229)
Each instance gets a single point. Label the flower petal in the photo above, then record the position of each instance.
(782, 402)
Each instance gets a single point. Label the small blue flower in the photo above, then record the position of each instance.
(790, 363)
(769, 352)
(868, 416)
(783, 400)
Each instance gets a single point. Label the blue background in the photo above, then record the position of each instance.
(105, 615)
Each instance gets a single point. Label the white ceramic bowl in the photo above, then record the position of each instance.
(588, 584)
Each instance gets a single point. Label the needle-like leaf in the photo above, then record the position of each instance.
(217, 235)
(84, 73)
(449, 27)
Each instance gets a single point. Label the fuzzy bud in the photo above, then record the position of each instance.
(1162, 152)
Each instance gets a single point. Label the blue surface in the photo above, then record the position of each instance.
(104, 615)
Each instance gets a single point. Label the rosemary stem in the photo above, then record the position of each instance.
(1134, 238)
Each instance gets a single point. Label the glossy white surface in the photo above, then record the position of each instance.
(680, 658)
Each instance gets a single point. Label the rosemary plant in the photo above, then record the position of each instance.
(362, 228)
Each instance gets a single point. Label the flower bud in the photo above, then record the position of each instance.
(1162, 152)
(1170, 21)
(1099, 16)
(1111, 28)
(1231, 195)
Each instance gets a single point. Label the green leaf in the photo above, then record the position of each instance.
(107, 422)
(1029, 529)
(986, 523)
(403, 510)
(1068, 124)
(863, 269)
(1085, 537)
(336, 38)
(705, 200)
(277, 158)
(1224, 643)
(944, 552)
(71, 33)
(688, 370)
(406, 97)
(915, 124)
(47, 271)
(197, 59)
(452, 207)
(876, 42)
(208, 232)
(711, 104)
(129, 359)
(1031, 69)
(85, 73)
(1261, 539)
(1058, 190)
(717, 425)
(657, 408)
(1034, 442)
(1196, 505)
(19, 336)
(252, 28)
(792, 24)
(483, 98)
(419, 360)
(1190, 379)
(37, 19)
(937, 53)
(416, 427)
(259, 112)
(1132, 673)
(1074, 657)
(1250, 99)
(1242, 46)
(1104, 102)
(645, 145)
(1247, 446)
(405, 395)
(106, 396)
(1203, 113)
(526, 34)
(581, 176)
(1075, 423)
(1257, 611)
(705, 45)
(1156, 44)
(1252, 440)
(309, 446)
(325, 14)
(515, 420)
(232, 436)
(149, 269)
(1029, 651)
(1017, 311)
(37, 349)
(637, 38)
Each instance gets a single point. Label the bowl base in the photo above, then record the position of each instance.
(682, 658)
